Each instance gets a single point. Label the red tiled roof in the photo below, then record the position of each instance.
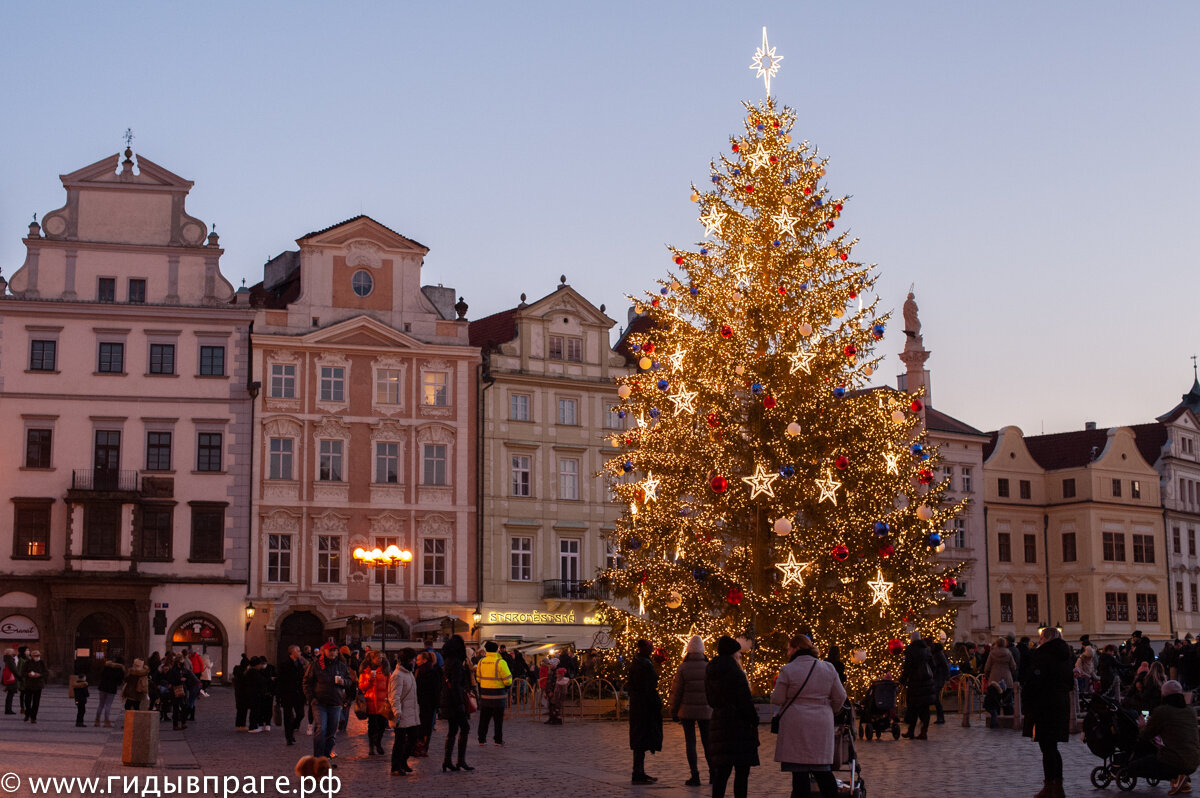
(493, 330)
(1076, 449)
(939, 421)
(355, 219)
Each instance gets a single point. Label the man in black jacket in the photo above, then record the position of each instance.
(289, 687)
(325, 684)
(922, 690)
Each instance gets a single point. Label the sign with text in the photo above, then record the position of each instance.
(538, 617)
(18, 627)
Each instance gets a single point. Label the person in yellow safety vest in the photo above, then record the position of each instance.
(494, 679)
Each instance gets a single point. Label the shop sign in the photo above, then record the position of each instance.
(197, 630)
(18, 627)
(538, 617)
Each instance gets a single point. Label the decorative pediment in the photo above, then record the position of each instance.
(567, 300)
(282, 427)
(333, 360)
(362, 252)
(389, 430)
(387, 526)
(363, 229)
(106, 171)
(331, 523)
(361, 331)
(284, 356)
(331, 427)
(280, 521)
(435, 526)
(435, 433)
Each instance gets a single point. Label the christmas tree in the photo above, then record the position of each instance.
(769, 489)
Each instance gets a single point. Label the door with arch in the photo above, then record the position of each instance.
(102, 636)
(299, 629)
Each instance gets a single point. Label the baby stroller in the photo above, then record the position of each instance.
(877, 712)
(1111, 733)
(845, 757)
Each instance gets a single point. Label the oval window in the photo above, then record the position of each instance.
(362, 282)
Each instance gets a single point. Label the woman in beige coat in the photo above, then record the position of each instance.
(809, 692)
(999, 670)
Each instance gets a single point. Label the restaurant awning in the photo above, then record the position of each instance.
(437, 624)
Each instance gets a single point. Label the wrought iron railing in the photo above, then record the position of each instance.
(576, 589)
(104, 479)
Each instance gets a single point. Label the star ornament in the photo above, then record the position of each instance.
(786, 222)
(760, 482)
(828, 488)
(880, 590)
(793, 571)
(758, 159)
(677, 358)
(684, 400)
(650, 487)
(892, 461)
(712, 220)
(766, 62)
(741, 274)
(801, 361)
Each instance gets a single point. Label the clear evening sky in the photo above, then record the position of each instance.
(1031, 166)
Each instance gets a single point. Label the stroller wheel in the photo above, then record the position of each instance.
(1100, 777)
(895, 731)
(1152, 782)
(1126, 783)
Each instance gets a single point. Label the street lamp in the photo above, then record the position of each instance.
(249, 614)
(383, 558)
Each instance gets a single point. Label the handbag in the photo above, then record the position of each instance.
(389, 711)
(775, 719)
(360, 708)
(8, 677)
(472, 704)
(178, 691)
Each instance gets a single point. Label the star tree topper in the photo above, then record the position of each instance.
(766, 62)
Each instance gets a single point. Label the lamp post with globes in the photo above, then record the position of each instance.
(383, 558)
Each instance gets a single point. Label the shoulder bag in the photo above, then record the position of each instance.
(775, 719)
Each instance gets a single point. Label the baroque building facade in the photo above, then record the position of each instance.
(364, 436)
(548, 400)
(123, 383)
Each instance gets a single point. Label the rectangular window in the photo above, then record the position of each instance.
(1147, 607)
(279, 558)
(433, 461)
(386, 575)
(1135, 489)
(1114, 546)
(281, 452)
(958, 534)
(1196, 597)
(612, 557)
(518, 407)
(1031, 548)
(555, 348)
(1025, 488)
(137, 291)
(1068, 547)
(101, 530)
(106, 290)
(521, 560)
(283, 381)
(158, 451)
(1068, 486)
(43, 355)
(1002, 488)
(212, 361)
(31, 530)
(966, 479)
(107, 458)
(1143, 548)
(568, 479)
(1176, 545)
(387, 387)
(37, 448)
(387, 463)
(330, 455)
(1072, 602)
(1116, 485)
(156, 533)
(614, 418)
(329, 559)
(1032, 615)
(948, 475)
(1191, 542)
(1004, 547)
(1116, 606)
(435, 388)
(568, 412)
(568, 561)
(333, 384)
(208, 451)
(575, 350)
(433, 561)
(1006, 608)
(1179, 596)
(521, 468)
(112, 358)
(162, 358)
(208, 534)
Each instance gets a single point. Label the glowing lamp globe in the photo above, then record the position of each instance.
(359, 553)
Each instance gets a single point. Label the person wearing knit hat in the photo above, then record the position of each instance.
(645, 711)
(689, 705)
(1173, 722)
(733, 729)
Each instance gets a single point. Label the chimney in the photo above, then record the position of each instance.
(1090, 426)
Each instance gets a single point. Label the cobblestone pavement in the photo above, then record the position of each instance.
(585, 758)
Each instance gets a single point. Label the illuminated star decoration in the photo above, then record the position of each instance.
(766, 62)
(892, 460)
(650, 487)
(828, 488)
(787, 223)
(793, 571)
(760, 482)
(684, 400)
(712, 220)
(758, 159)
(677, 359)
(686, 638)
(641, 421)
(801, 360)
(742, 274)
(880, 590)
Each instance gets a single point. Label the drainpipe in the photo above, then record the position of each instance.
(252, 388)
(1167, 571)
(987, 576)
(1046, 549)
(484, 380)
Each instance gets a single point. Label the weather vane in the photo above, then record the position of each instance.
(129, 133)
(766, 62)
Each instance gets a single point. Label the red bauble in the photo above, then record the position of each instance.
(853, 293)
(840, 552)
(768, 402)
(829, 225)
(644, 577)
(654, 303)
(714, 420)
(842, 463)
(926, 476)
(735, 148)
(726, 331)
(735, 595)
(782, 290)
(648, 347)
(749, 188)
(843, 255)
(895, 646)
(807, 190)
(851, 350)
(641, 495)
(916, 406)
(887, 551)
(773, 159)
(679, 259)
(719, 484)
(838, 207)
(949, 583)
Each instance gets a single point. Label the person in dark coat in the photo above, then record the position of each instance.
(689, 705)
(922, 689)
(645, 711)
(429, 692)
(834, 658)
(941, 675)
(733, 729)
(1046, 700)
(457, 681)
(289, 689)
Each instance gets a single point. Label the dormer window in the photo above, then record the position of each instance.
(362, 283)
(563, 348)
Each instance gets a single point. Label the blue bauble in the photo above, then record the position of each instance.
(756, 387)
(654, 412)
(924, 455)
(703, 250)
(694, 291)
(663, 385)
(820, 202)
(877, 331)
(803, 286)
(716, 179)
(635, 544)
(700, 574)
(620, 414)
(787, 471)
(655, 365)
(636, 347)
(934, 539)
(761, 126)
(787, 181)
(776, 242)
(627, 466)
(917, 449)
(881, 528)
(839, 392)
(663, 290)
